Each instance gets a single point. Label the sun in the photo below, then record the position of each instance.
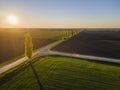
(12, 19)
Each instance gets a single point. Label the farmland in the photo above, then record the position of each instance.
(59, 44)
(12, 40)
(64, 73)
(99, 42)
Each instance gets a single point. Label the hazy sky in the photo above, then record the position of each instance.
(61, 13)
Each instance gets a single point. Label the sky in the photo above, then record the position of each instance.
(61, 13)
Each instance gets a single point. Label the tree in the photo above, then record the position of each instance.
(28, 46)
(28, 53)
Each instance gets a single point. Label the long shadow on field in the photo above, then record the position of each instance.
(7, 77)
(36, 76)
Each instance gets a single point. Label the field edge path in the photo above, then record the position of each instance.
(19, 61)
(46, 51)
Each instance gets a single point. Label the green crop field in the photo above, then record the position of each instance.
(63, 73)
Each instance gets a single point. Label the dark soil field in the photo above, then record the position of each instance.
(14, 46)
(102, 43)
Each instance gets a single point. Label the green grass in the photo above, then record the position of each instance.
(63, 73)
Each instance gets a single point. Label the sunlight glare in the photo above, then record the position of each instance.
(12, 20)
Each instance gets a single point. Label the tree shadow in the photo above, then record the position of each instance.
(36, 76)
(10, 75)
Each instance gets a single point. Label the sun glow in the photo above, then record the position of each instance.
(12, 20)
